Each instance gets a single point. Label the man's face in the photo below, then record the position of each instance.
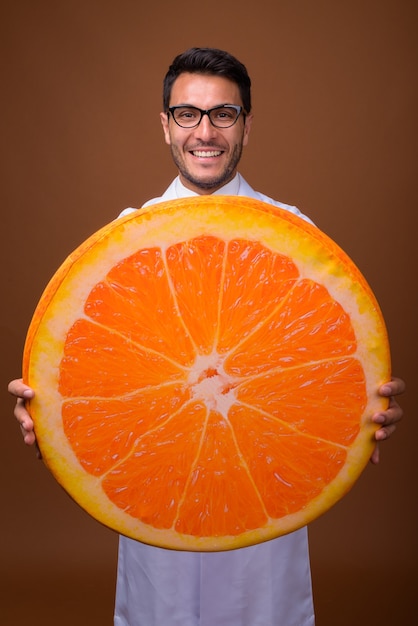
(206, 157)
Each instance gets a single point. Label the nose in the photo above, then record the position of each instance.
(205, 130)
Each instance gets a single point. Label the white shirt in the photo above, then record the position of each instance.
(263, 585)
(238, 186)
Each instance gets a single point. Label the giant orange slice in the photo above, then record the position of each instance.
(205, 372)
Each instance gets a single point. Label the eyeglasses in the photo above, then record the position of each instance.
(221, 116)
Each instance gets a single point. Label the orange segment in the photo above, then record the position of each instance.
(205, 373)
(325, 400)
(195, 267)
(321, 330)
(271, 277)
(291, 458)
(118, 422)
(122, 367)
(137, 295)
(158, 470)
(219, 481)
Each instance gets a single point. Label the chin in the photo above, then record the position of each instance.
(208, 183)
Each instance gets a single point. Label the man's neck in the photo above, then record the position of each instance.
(230, 189)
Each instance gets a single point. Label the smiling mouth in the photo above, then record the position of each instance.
(205, 154)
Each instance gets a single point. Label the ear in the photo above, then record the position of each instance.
(247, 128)
(166, 131)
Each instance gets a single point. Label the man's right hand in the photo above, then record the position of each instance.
(23, 393)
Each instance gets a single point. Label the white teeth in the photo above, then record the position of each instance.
(206, 153)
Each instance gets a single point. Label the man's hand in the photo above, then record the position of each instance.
(23, 393)
(388, 419)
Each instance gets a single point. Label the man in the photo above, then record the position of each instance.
(206, 122)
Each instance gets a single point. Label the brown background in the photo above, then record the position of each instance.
(335, 132)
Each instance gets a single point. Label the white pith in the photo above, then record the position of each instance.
(209, 382)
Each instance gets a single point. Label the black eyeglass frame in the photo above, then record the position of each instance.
(239, 109)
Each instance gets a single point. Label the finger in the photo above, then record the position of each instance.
(375, 458)
(394, 387)
(14, 385)
(19, 389)
(28, 437)
(392, 415)
(26, 427)
(25, 422)
(21, 413)
(384, 433)
(38, 450)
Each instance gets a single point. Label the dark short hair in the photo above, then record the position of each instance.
(209, 61)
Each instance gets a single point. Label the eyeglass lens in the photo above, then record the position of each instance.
(221, 117)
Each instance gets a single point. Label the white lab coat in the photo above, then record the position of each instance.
(264, 585)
